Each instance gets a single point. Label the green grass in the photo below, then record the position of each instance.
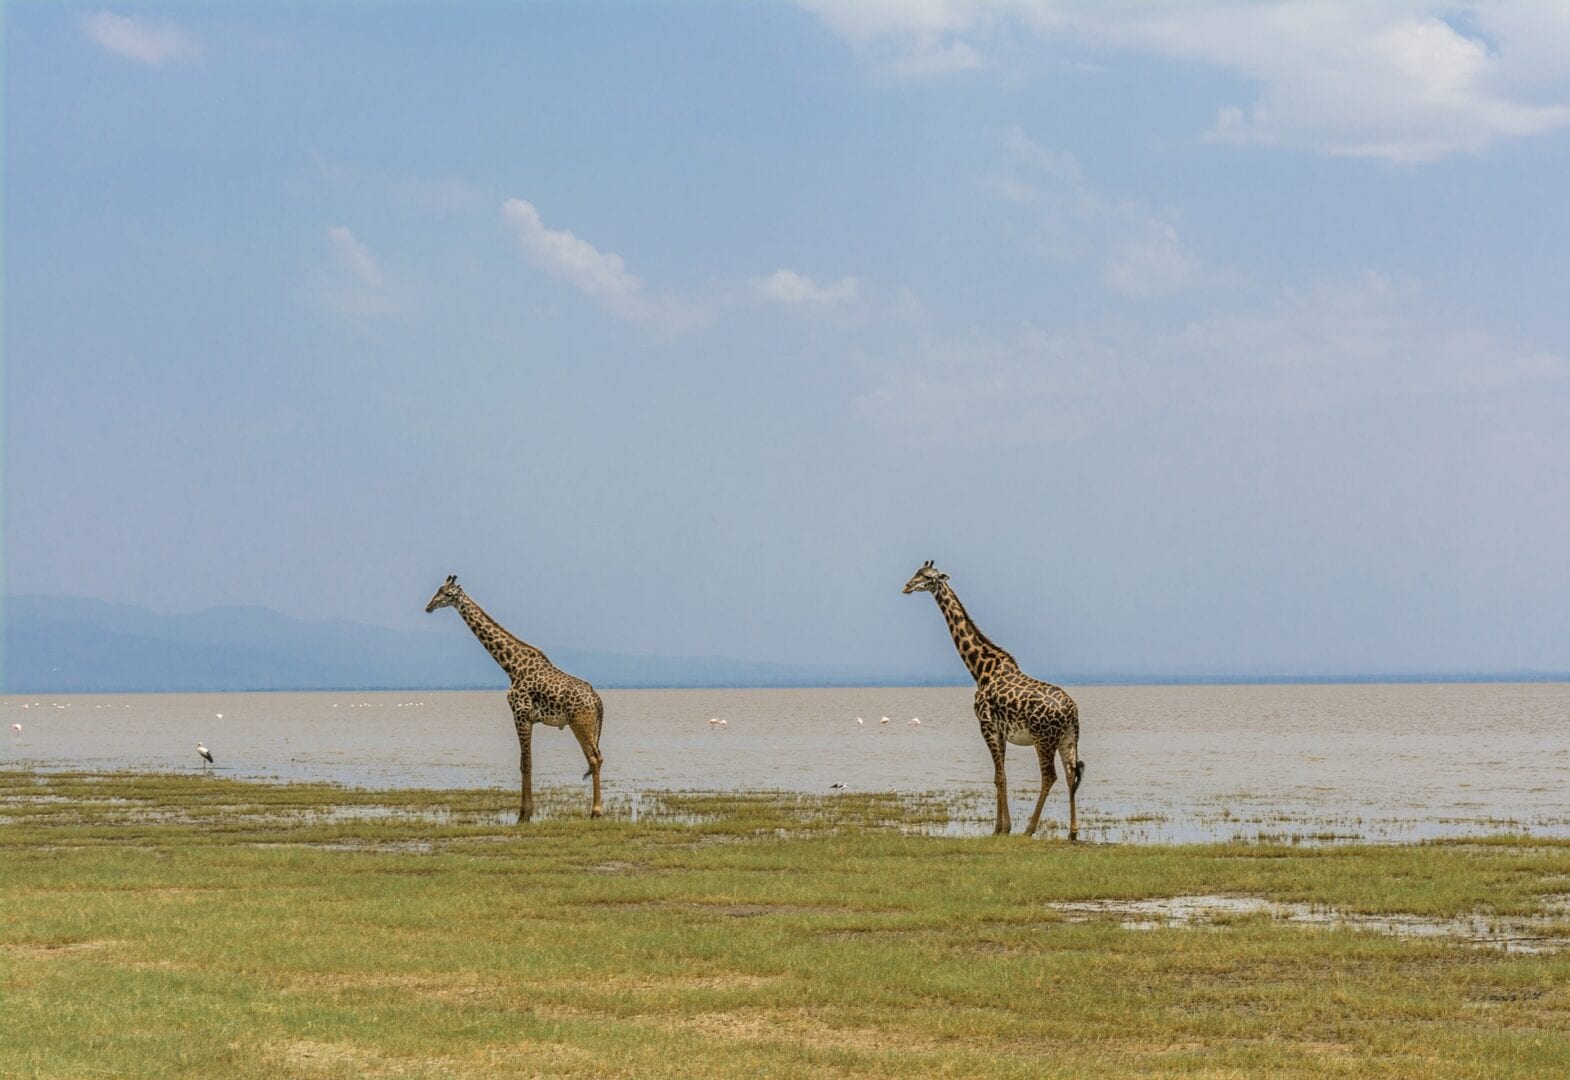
(180, 925)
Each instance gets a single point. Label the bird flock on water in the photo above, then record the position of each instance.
(716, 723)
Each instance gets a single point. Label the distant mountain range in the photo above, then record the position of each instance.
(54, 644)
(65, 644)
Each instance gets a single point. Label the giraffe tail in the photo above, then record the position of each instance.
(599, 726)
(1079, 772)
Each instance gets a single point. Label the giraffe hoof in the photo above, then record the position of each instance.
(1073, 837)
(596, 812)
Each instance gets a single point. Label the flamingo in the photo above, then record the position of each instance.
(714, 721)
(914, 722)
(883, 722)
(859, 721)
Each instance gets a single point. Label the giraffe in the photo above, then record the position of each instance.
(541, 693)
(1011, 706)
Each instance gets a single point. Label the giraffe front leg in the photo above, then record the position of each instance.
(1048, 775)
(992, 733)
(526, 772)
(1000, 781)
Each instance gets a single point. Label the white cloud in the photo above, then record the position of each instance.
(927, 42)
(1367, 80)
(429, 193)
(147, 41)
(1318, 349)
(1345, 341)
(352, 258)
(602, 276)
(937, 58)
(1029, 386)
(789, 287)
(1152, 263)
(1404, 80)
(1137, 251)
(353, 282)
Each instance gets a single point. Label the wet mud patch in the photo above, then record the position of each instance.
(54, 949)
(1509, 933)
(732, 911)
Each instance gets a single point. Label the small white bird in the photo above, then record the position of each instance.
(16, 727)
(206, 753)
(885, 720)
(219, 715)
(836, 785)
(722, 722)
(914, 722)
(714, 721)
(859, 720)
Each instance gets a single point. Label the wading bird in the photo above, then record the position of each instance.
(207, 755)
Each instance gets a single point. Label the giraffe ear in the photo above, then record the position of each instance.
(943, 577)
(926, 564)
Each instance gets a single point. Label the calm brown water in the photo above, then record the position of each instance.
(1311, 763)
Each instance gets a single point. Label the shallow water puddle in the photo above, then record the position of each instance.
(1514, 933)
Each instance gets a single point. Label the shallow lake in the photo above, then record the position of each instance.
(1311, 763)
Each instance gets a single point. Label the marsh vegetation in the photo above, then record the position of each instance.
(169, 925)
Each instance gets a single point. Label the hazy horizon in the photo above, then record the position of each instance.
(1222, 337)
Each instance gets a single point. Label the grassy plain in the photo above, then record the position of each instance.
(187, 925)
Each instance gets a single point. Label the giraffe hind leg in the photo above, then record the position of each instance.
(585, 728)
(1074, 769)
(1048, 775)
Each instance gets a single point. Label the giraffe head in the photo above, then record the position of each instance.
(927, 579)
(447, 595)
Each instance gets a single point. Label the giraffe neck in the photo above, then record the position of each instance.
(504, 648)
(981, 656)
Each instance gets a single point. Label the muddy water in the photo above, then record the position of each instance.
(1300, 763)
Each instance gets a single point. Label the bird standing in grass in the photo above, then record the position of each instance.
(207, 755)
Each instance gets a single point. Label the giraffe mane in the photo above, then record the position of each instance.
(981, 637)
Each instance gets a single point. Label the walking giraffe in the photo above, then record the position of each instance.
(1011, 706)
(541, 693)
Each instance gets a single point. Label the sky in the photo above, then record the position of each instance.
(1188, 338)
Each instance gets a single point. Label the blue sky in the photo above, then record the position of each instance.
(1189, 338)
